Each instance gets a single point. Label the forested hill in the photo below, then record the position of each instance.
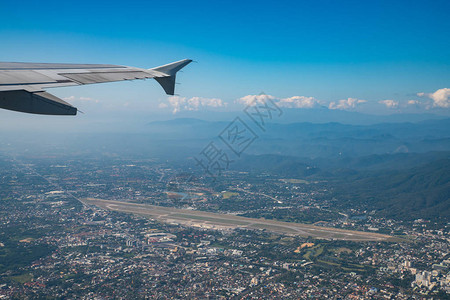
(420, 192)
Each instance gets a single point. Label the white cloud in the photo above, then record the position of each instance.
(163, 105)
(441, 97)
(413, 102)
(86, 99)
(70, 98)
(291, 102)
(389, 103)
(80, 99)
(254, 99)
(195, 103)
(346, 104)
(298, 102)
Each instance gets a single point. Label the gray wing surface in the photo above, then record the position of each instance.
(22, 85)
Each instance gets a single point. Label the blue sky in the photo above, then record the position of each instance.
(355, 54)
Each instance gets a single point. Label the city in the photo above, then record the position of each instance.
(54, 245)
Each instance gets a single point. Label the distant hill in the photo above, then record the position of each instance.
(310, 140)
(402, 186)
(276, 164)
(318, 115)
(386, 162)
(420, 192)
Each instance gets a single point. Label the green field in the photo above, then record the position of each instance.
(313, 252)
(227, 195)
(22, 278)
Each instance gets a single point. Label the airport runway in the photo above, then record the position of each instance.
(210, 220)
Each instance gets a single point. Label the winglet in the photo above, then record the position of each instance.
(168, 74)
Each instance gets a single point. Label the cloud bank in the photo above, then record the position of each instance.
(299, 102)
(178, 103)
(254, 99)
(346, 104)
(389, 103)
(291, 102)
(440, 98)
(80, 99)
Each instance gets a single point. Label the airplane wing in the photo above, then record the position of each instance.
(22, 85)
